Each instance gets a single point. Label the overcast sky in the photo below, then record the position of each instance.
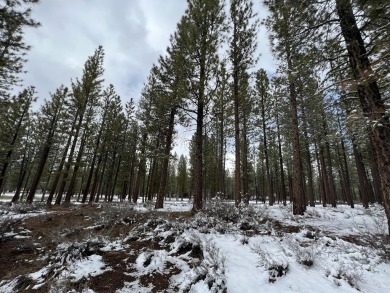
(133, 34)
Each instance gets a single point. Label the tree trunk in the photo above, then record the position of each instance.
(100, 181)
(22, 175)
(69, 162)
(141, 170)
(347, 179)
(265, 143)
(325, 179)
(96, 177)
(299, 205)
(72, 184)
(198, 164)
(164, 169)
(245, 172)
(90, 173)
(283, 192)
(362, 175)
(12, 144)
(237, 172)
(310, 185)
(39, 172)
(332, 185)
(375, 174)
(62, 163)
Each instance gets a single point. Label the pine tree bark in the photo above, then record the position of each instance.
(116, 177)
(310, 185)
(96, 176)
(100, 182)
(167, 152)
(237, 141)
(324, 179)
(61, 166)
(332, 185)
(266, 155)
(198, 164)
(347, 179)
(245, 172)
(299, 205)
(41, 167)
(70, 160)
(283, 192)
(362, 175)
(72, 183)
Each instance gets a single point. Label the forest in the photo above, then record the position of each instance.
(314, 133)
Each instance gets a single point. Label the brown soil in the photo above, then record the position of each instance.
(21, 257)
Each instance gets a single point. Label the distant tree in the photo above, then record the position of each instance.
(85, 93)
(108, 95)
(182, 176)
(12, 127)
(51, 113)
(221, 125)
(262, 93)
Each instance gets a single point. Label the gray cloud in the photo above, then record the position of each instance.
(133, 33)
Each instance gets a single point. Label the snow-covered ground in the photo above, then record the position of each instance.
(255, 249)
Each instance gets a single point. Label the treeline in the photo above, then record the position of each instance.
(315, 131)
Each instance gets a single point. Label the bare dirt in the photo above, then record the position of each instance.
(41, 234)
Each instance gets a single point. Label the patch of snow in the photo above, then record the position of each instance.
(90, 266)
(113, 246)
(134, 287)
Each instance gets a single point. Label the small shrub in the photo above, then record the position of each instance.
(244, 240)
(276, 271)
(277, 267)
(304, 252)
(351, 274)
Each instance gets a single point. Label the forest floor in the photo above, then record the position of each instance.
(121, 247)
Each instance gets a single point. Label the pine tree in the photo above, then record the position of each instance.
(12, 127)
(168, 104)
(262, 92)
(242, 48)
(371, 101)
(51, 113)
(85, 92)
(182, 177)
(15, 15)
(199, 38)
(108, 95)
(221, 117)
(285, 26)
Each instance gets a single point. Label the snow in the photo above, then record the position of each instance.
(241, 265)
(323, 254)
(134, 287)
(91, 266)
